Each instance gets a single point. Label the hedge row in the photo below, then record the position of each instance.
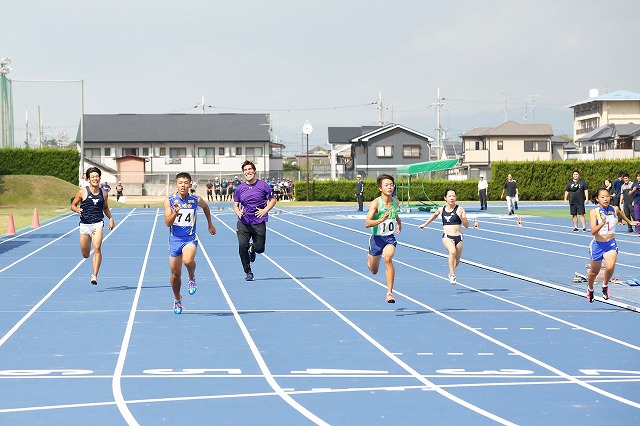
(539, 180)
(61, 163)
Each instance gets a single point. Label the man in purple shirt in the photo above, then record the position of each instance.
(252, 201)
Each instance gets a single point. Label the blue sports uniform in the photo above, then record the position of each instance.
(383, 233)
(597, 249)
(183, 230)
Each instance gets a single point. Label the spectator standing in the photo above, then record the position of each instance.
(626, 199)
(510, 188)
(635, 192)
(105, 187)
(224, 186)
(216, 188)
(359, 192)
(483, 185)
(209, 187)
(577, 194)
(119, 190)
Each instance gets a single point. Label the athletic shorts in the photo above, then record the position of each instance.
(597, 249)
(456, 238)
(576, 209)
(377, 243)
(176, 246)
(90, 228)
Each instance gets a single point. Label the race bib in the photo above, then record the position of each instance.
(185, 217)
(387, 227)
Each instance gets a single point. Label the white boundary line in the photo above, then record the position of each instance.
(53, 290)
(254, 348)
(116, 385)
(375, 343)
(475, 331)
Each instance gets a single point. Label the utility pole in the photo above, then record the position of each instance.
(380, 110)
(506, 107)
(439, 104)
(202, 105)
(533, 107)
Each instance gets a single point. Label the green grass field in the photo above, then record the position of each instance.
(20, 195)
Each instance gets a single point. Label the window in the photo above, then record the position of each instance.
(92, 152)
(176, 155)
(221, 151)
(238, 150)
(208, 155)
(411, 151)
(384, 151)
(163, 151)
(145, 152)
(500, 145)
(253, 153)
(481, 145)
(129, 151)
(536, 146)
(107, 152)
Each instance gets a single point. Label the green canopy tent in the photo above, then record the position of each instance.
(404, 187)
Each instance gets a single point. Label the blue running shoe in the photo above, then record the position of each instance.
(252, 255)
(177, 307)
(193, 286)
(249, 276)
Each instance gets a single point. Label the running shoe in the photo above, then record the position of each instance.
(390, 298)
(252, 255)
(452, 279)
(584, 229)
(590, 296)
(193, 286)
(575, 229)
(94, 280)
(249, 276)
(177, 307)
(606, 293)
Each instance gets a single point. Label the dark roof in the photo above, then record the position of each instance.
(176, 128)
(512, 128)
(611, 131)
(342, 135)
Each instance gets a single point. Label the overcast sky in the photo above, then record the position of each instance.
(325, 61)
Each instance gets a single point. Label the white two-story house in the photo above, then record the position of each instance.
(145, 151)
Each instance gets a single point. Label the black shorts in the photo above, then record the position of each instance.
(576, 209)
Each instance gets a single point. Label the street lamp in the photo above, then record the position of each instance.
(306, 129)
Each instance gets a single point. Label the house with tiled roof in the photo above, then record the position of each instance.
(374, 150)
(509, 141)
(204, 145)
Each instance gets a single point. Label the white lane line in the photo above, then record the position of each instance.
(378, 345)
(487, 337)
(254, 347)
(116, 385)
(67, 216)
(48, 295)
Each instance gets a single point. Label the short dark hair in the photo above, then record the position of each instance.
(624, 175)
(183, 175)
(92, 170)
(446, 191)
(383, 177)
(248, 163)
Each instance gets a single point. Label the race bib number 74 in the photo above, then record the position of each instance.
(185, 217)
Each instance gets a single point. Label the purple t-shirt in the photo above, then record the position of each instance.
(252, 197)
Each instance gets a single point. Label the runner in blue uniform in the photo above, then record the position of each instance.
(603, 220)
(454, 218)
(180, 217)
(384, 222)
(92, 204)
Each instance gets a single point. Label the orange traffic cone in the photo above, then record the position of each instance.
(11, 227)
(35, 222)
